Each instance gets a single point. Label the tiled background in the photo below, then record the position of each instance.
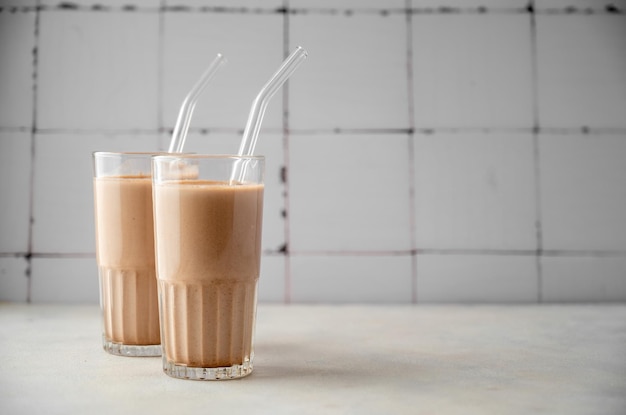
(427, 151)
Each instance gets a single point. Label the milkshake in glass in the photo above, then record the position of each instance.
(125, 253)
(208, 249)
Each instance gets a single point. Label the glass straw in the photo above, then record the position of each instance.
(259, 105)
(186, 110)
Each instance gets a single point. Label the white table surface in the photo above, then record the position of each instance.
(335, 360)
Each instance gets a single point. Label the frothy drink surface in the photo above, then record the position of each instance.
(125, 256)
(209, 246)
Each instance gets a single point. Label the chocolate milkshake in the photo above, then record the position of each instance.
(126, 264)
(208, 245)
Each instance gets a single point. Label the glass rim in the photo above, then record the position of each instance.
(196, 156)
(127, 153)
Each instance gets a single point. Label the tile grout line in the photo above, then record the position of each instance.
(583, 130)
(486, 252)
(285, 172)
(31, 196)
(411, 150)
(608, 9)
(536, 150)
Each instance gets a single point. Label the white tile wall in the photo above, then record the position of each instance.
(347, 4)
(272, 284)
(13, 279)
(583, 192)
(584, 279)
(17, 3)
(16, 96)
(107, 4)
(581, 70)
(426, 151)
(102, 65)
(356, 76)
(64, 280)
(581, 4)
(463, 4)
(15, 171)
(476, 279)
(358, 197)
(474, 191)
(251, 43)
(472, 70)
(231, 4)
(351, 279)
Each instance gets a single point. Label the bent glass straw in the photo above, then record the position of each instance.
(259, 105)
(186, 110)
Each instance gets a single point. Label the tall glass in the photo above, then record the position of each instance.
(125, 253)
(208, 250)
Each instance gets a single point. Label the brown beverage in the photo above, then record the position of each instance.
(208, 259)
(125, 256)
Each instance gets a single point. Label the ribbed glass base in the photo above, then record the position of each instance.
(118, 349)
(206, 373)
